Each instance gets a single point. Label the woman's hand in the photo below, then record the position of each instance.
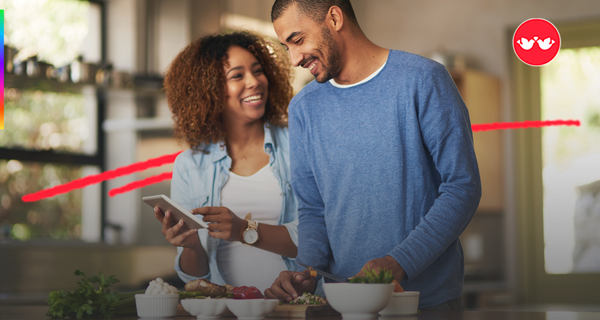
(225, 224)
(177, 233)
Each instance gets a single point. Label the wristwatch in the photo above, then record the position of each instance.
(250, 235)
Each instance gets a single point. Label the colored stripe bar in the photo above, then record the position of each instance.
(2, 73)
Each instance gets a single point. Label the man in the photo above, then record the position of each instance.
(382, 158)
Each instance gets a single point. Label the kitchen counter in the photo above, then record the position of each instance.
(35, 312)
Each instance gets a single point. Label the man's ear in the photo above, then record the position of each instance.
(335, 18)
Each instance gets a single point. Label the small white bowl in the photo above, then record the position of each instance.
(205, 308)
(402, 303)
(251, 309)
(357, 301)
(156, 305)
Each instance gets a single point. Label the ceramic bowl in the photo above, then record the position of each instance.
(358, 301)
(402, 303)
(205, 308)
(156, 305)
(251, 309)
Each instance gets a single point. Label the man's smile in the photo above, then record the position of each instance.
(311, 65)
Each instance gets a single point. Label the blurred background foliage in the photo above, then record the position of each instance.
(53, 30)
(571, 90)
(44, 120)
(58, 217)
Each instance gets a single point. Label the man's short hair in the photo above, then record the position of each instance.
(316, 9)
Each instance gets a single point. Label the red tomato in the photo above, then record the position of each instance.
(245, 292)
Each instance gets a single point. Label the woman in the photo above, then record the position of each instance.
(229, 95)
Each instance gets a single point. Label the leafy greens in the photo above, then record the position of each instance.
(85, 302)
(371, 276)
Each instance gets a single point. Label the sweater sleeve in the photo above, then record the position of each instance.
(446, 132)
(313, 242)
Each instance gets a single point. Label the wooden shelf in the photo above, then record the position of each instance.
(42, 84)
(140, 85)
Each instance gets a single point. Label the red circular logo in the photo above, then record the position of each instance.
(536, 42)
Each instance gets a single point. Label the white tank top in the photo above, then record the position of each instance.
(240, 264)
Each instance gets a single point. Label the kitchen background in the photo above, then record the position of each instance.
(83, 95)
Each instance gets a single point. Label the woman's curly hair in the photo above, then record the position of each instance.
(195, 85)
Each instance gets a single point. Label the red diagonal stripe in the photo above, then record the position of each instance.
(140, 183)
(156, 162)
(524, 124)
(86, 181)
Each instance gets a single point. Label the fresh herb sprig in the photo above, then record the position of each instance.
(372, 276)
(308, 298)
(85, 302)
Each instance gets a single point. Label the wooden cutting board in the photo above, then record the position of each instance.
(302, 311)
(181, 311)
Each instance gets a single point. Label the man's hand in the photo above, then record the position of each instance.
(385, 263)
(289, 284)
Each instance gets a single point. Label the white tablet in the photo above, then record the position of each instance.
(177, 212)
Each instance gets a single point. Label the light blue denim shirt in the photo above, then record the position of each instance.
(199, 177)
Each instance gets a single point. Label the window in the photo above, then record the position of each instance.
(52, 113)
(554, 184)
(570, 158)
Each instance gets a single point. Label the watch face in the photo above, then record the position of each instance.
(250, 236)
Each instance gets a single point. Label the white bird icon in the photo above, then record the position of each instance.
(546, 44)
(526, 44)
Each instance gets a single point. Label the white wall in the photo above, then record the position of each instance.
(174, 31)
(477, 28)
(121, 32)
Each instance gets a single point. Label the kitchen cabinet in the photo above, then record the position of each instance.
(481, 94)
(30, 270)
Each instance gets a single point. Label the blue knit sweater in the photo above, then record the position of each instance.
(386, 167)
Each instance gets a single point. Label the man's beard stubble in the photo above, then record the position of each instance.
(332, 68)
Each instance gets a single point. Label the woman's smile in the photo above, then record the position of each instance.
(247, 86)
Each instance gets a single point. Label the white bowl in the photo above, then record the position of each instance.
(251, 309)
(358, 300)
(402, 303)
(156, 305)
(205, 308)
